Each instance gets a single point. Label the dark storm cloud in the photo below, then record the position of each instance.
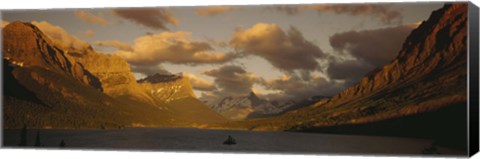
(155, 18)
(294, 87)
(231, 80)
(286, 51)
(350, 70)
(382, 11)
(149, 70)
(288, 9)
(377, 47)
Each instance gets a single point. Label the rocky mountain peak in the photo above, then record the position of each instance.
(437, 45)
(168, 87)
(26, 46)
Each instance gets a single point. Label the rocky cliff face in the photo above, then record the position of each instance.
(112, 71)
(167, 87)
(26, 46)
(436, 46)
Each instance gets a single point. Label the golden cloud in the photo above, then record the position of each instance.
(199, 83)
(285, 50)
(114, 43)
(89, 33)
(92, 18)
(4, 23)
(60, 36)
(172, 47)
(212, 11)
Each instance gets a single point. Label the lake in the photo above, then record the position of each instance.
(204, 140)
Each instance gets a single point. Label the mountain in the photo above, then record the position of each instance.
(26, 46)
(251, 106)
(435, 49)
(53, 87)
(167, 87)
(288, 106)
(239, 108)
(114, 76)
(422, 93)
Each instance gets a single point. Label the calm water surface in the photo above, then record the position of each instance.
(186, 139)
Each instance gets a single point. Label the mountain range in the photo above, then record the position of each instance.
(71, 88)
(251, 106)
(423, 91)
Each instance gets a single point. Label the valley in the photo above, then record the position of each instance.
(94, 100)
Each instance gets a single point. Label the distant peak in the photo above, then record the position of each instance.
(17, 23)
(19, 26)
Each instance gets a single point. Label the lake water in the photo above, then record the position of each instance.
(187, 139)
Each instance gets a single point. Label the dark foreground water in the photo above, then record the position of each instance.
(183, 139)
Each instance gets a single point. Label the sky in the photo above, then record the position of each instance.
(280, 52)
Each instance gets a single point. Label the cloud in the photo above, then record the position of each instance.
(212, 11)
(351, 71)
(154, 18)
(172, 47)
(382, 11)
(199, 83)
(286, 51)
(89, 33)
(294, 87)
(288, 9)
(377, 47)
(4, 23)
(114, 43)
(92, 18)
(60, 36)
(149, 70)
(217, 43)
(231, 80)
